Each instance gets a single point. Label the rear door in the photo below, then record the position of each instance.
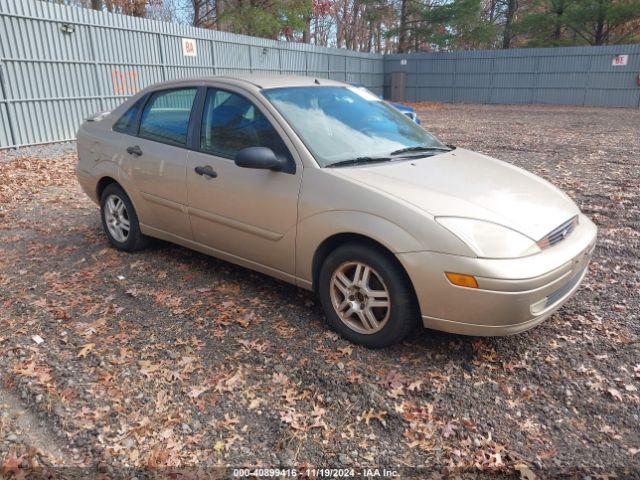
(157, 159)
(248, 214)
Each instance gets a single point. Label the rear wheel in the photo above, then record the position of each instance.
(366, 296)
(119, 220)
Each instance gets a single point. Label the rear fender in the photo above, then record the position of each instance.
(114, 170)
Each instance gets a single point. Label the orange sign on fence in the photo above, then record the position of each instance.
(124, 83)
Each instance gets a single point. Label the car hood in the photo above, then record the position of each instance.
(463, 183)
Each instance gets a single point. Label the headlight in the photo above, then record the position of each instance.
(489, 240)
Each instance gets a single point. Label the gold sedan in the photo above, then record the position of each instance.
(324, 185)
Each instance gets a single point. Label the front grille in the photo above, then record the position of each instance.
(557, 295)
(558, 234)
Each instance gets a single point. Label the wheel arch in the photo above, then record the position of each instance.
(336, 240)
(103, 183)
(108, 173)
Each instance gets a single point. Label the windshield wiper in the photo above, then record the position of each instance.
(359, 161)
(421, 148)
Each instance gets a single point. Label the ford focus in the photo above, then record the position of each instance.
(324, 185)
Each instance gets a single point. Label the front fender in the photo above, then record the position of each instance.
(315, 229)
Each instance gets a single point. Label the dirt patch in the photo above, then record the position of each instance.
(19, 426)
(169, 358)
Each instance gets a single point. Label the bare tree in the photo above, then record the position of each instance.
(510, 13)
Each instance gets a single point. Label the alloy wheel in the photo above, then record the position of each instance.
(360, 297)
(117, 218)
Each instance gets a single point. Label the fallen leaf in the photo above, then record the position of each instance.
(147, 368)
(11, 464)
(195, 392)
(449, 430)
(347, 350)
(367, 416)
(415, 386)
(84, 351)
(280, 378)
(615, 394)
(525, 472)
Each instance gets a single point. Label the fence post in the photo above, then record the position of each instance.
(455, 76)
(280, 60)
(12, 137)
(536, 83)
(213, 56)
(493, 72)
(96, 69)
(585, 88)
(161, 53)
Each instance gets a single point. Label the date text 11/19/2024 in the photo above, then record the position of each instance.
(315, 472)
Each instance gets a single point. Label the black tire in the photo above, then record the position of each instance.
(404, 312)
(134, 240)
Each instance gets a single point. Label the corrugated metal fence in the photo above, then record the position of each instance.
(595, 76)
(59, 64)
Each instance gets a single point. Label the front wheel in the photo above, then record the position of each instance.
(366, 296)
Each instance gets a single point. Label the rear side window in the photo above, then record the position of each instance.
(124, 122)
(165, 117)
(230, 122)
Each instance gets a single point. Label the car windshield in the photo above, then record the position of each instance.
(345, 123)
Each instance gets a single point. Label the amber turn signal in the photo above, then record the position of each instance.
(462, 280)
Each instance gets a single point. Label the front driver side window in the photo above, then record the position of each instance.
(230, 123)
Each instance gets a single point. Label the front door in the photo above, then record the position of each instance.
(158, 159)
(248, 214)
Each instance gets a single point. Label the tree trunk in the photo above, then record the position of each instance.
(219, 8)
(353, 36)
(306, 34)
(96, 4)
(196, 13)
(370, 31)
(559, 12)
(402, 36)
(512, 6)
(492, 11)
(599, 35)
(341, 26)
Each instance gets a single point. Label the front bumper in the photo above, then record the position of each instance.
(513, 295)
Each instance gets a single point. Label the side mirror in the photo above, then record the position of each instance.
(259, 157)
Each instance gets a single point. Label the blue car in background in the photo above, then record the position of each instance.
(406, 109)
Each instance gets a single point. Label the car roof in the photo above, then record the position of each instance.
(257, 81)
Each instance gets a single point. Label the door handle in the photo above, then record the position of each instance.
(206, 170)
(135, 150)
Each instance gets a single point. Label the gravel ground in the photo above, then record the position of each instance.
(167, 358)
